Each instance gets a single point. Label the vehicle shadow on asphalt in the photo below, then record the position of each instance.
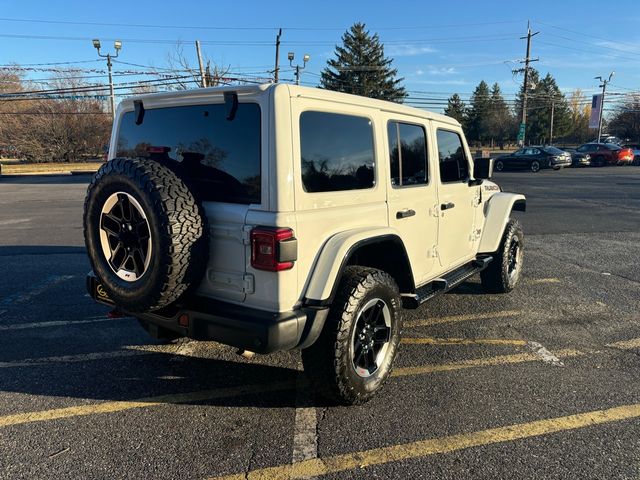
(58, 360)
(161, 378)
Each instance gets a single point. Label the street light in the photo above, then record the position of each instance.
(298, 68)
(604, 88)
(117, 45)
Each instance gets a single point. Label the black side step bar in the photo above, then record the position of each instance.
(446, 283)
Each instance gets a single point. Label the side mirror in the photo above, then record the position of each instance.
(483, 168)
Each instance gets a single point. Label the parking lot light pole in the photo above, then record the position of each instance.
(298, 68)
(117, 45)
(604, 89)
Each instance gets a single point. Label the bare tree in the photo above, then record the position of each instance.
(190, 76)
(68, 123)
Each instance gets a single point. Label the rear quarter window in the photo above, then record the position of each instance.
(219, 158)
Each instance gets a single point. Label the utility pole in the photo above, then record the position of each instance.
(117, 45)
(553, 106)
(526, 61)
(276, 71)
(604, 89)
(298, 68)
(203, 78)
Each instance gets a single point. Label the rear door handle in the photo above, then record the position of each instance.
(405, 213)
(447, 206)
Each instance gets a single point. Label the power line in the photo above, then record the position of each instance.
(208, 27)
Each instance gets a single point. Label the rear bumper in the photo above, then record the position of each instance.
(242, 327)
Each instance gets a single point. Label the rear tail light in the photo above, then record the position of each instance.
(273, 249)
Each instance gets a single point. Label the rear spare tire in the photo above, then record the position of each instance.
(145, 234)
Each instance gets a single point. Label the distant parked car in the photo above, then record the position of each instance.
(606, 154)
(607, 139)
(577, 159)
(636, 152)
(534, 159)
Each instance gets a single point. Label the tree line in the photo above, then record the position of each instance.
(360, 67)
(68, 126)
(489, 119)
(36, 128)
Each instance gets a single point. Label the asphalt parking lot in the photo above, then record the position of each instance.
(540, 383)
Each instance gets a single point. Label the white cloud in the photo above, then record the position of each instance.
(443, 82)
(619, 47)
(441, 70)
(407, 50)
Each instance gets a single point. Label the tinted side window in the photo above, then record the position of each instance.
(220, 158)
(409, 162)
(453, 161)
(337, 152)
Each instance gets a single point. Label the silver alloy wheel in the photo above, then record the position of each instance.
(514, 259)
(125, 236)
(371, 337)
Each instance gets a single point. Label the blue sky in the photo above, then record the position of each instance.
(438, 47)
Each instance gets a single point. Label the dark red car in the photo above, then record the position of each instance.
(606, 154)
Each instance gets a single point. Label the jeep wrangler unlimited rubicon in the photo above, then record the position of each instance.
(279, 217)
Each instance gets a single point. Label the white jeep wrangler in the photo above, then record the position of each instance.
(278, 217)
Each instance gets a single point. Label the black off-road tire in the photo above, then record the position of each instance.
(329, 362)
(498, 276)
(177, 227)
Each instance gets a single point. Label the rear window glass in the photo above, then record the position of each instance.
(336, 151)
(220, 158)
(553, 150)
(587, 148)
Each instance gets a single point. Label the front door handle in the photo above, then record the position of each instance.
(405, 213)
(447, 206)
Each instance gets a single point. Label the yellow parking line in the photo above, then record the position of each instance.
(118, 406)
(424, 448)
(535, 281)
(478, 362)
(461, 318)
(462, 341)
(626, 344)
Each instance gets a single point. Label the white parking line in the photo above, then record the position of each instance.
(41, 287)
(56, 323)
(14, 221)
(544, 354)
(305, 436)
(174, 350)
(31, 362)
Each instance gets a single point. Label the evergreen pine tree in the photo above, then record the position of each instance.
(477, 113)
(499, 121)
(361, 68)
(541, 95)
(456, 108)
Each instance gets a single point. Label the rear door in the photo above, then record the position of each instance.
(411, 192)
(457, 200)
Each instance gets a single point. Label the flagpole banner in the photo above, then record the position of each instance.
(596, 107)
